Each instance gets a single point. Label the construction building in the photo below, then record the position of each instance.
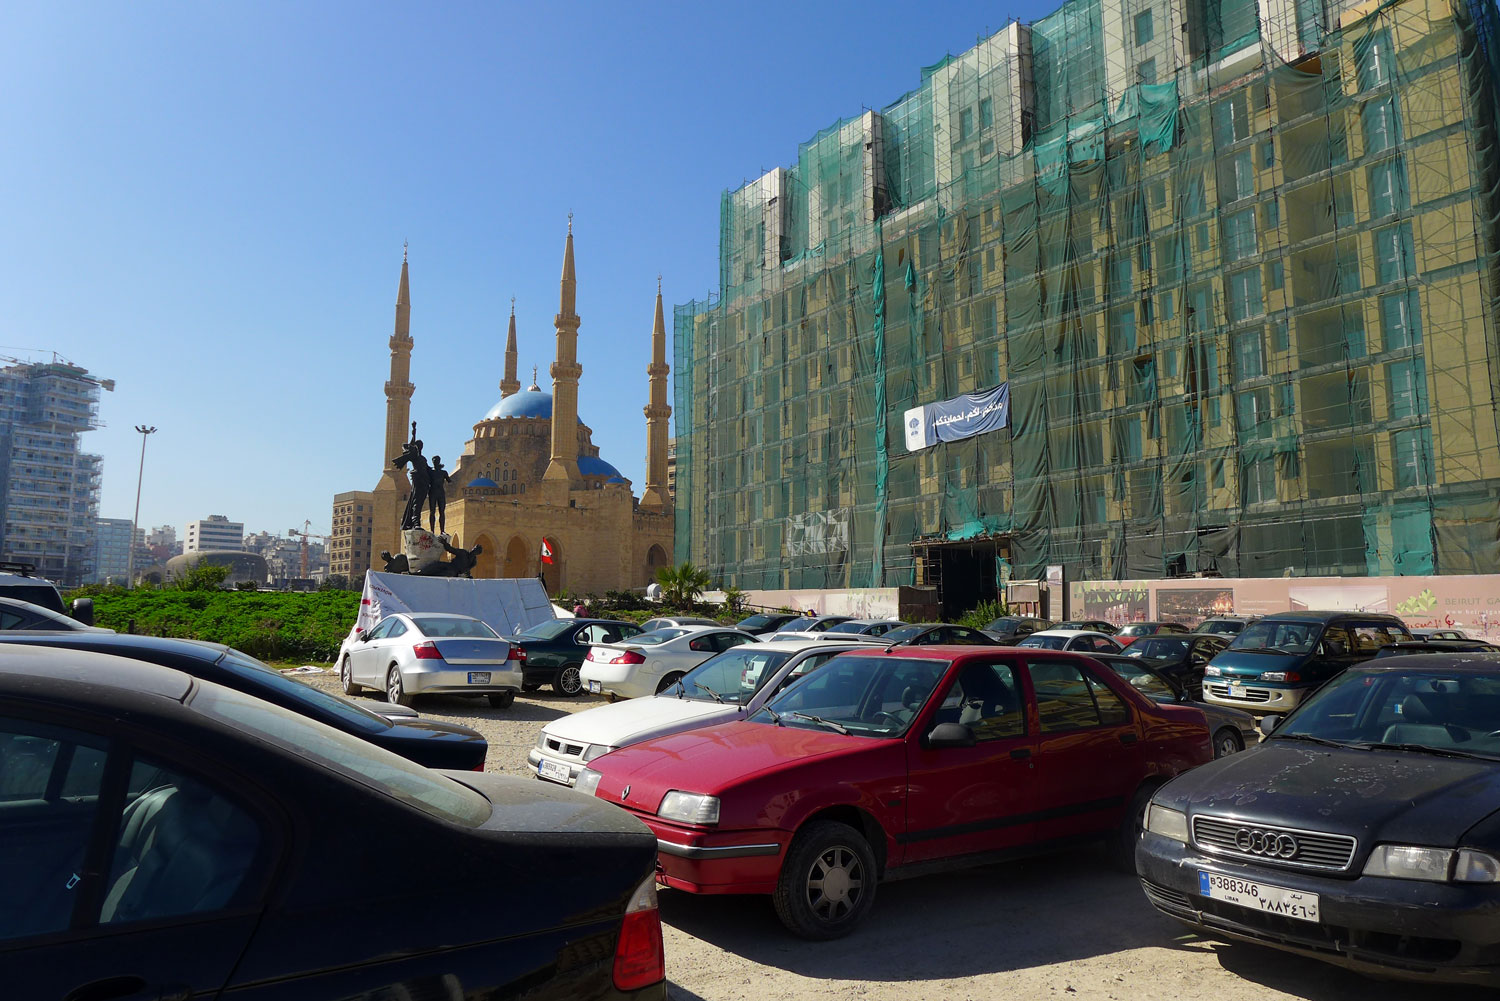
(1235, 266)
(49, 487)
(353, 527)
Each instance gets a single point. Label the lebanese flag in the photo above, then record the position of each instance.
(546, 552)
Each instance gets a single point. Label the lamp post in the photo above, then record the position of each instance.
(130, 560)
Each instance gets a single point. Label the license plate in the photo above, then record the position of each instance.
(552, 770)
(1259, 896)
(479, 677)
(1236, 691)
(595, 688)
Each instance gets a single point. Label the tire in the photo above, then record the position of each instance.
(668, 682)
(1121, 846)
(827, 881)
(1227, 742)
(394, 693)
(346, 677)
(504, 700)
(568, 683)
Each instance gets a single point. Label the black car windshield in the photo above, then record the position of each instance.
(1224, 626)
(797, 625)
(1045, 642)
(438, 626)
(732, 677)
(324, 705)
(1139, 629)
(1143, 680)
(1453, 712)
(1158, 648)
(1273, 636)
(358, 759)
(864, 696)
(758, 621)
(549, 630)
(659, 636)
(1005, 625)
(851, 627)
(901, 634)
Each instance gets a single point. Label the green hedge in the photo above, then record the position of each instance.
(285, 626)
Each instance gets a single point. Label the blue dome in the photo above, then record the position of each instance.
(483, 481)
(590, 465)
(530, 402)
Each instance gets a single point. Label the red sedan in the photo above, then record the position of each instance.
(886, 763)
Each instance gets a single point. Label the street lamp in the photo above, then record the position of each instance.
(130, 560)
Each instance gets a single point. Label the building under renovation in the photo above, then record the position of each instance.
(1232, 268)
(49, 487)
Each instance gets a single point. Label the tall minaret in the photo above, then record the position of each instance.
(398, 389)
(565, 373)
(657, 411)
(510, 385)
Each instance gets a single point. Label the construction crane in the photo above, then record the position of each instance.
(304, 535)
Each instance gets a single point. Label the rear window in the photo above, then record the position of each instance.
(1158, 648)
(659, 636)
(1228, 626)
(1045, 642)
(549, 630)
(438, 626)
(797, 625)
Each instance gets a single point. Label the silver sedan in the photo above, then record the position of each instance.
(429, 653)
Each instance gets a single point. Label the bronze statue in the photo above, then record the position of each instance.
(421, 479)
(437, 500)
(462, 562)
(395, 564)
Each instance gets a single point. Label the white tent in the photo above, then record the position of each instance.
(506, 606)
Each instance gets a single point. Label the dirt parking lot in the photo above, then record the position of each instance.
(1063, 927)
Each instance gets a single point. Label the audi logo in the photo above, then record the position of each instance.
(1269, 844)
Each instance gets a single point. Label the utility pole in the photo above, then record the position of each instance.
(130, 560)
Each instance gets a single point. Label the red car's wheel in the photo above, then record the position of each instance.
(827, 882)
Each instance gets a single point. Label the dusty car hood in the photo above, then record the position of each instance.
(1394, 796)
(638, 719)
(526, 806)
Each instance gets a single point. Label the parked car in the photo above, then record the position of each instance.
(862, 627)
(1439, 634)
(24, 615)
(1080, 640)
(427, 742)
(1009, 629)
(171, 838)
(19, 580)
(1362, 832)
(1135, 630)
(653, 662)
(887, 762)
(663, 622)
(934, 633)
(1090, 625)
(1225, 625)
(1180, 657)
(765, 622)
(407, 654)
(1275, 662)
(1436, 646)
(732, 685)
(813, 623)
(552, 653)
(1231, 729)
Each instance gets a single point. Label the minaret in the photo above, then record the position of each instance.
(565, 373)
(657, 411)
(509, 385)
(398, 389)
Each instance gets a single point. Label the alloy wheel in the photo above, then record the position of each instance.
(568, 681)
(835, 883)
(393, 687)
(1228, 744)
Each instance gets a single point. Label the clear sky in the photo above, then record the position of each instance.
(207, 202)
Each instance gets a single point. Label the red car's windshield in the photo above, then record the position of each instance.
(872, 696)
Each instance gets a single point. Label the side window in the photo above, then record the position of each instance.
(726, 641)
(1369, 638)
(807, 666)
(985, 698)
(49, 793)
(181, 848)
(589, 635)
(703, 644)
(380, 630)
(1063, 700)
(398, 628)
(11, 620)
(960, 634)
(1336, 642)
(1112, 708)
(1102, 645)
(631, 631)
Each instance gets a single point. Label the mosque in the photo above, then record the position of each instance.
(530, 487)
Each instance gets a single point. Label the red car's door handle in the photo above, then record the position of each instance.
(1021, 753)
(1128, 738)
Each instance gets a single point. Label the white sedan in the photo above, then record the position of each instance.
(655, 661)
(731, 686)
(429, 653)
(1081, 640)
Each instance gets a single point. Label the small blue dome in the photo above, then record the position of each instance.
(591, 465)
(483, 481)
(616, 479)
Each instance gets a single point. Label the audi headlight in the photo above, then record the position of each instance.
(689, 807)
(588, 781)
(594, 750)
(1168, 823)
(1410, 862)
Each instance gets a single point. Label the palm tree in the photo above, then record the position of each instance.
(682, 585)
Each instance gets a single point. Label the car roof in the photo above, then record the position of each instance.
(31, 606)
(97, 681)
(798, 645)
(438, 615)
(1474, 662)
(1069, 633)
(129, 644)
(1311, 616)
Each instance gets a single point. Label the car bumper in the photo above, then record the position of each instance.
(536, 756)
(1260, 698)
(746, 861)
(454, 679)
(618, 680)
(1407, 929)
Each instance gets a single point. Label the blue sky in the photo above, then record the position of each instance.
(207, 202)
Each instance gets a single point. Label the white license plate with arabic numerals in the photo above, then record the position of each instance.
(479, 677)
(1261, 897)
(553, 770)
(1236, 691)
(595, 688)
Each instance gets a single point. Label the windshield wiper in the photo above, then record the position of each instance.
(775, 716)
(1447, 752)
(1260, 649)
(1311, 739)
(826, 722)
(716, 696)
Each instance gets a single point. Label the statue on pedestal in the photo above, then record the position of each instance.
(437, 501)
(421, 480)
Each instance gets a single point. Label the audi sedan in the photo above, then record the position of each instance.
(1364, 831)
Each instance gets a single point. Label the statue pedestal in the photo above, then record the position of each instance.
(422, 548)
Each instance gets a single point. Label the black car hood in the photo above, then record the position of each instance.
(526, 806)
(430, 729)
(1376, 796)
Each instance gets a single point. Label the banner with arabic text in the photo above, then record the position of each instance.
(958, 418)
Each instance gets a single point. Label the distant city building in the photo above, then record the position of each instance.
(49, 487)
(214, 532)
(112, 550)
(163, 543)
(672, 468)
(283, 556)
(349, 545)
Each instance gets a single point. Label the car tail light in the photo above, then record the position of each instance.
(427, 651)
(517, 653)
(589, 656)
(639, 958)
(627, 657)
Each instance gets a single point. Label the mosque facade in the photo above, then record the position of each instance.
(530, 487)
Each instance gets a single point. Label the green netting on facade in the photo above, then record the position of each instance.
(1242, 289)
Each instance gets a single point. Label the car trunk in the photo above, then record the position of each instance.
(461, 650)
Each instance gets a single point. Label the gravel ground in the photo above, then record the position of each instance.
(1064, 927)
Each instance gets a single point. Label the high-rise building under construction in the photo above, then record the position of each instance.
(1234, 263)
